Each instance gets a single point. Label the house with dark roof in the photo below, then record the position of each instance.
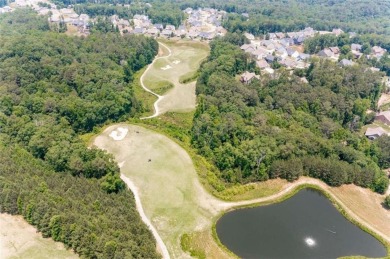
(270, 58)
(374, 133)
(383, 117)
(159, 26)
(326, 53)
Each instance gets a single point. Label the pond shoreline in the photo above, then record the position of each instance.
(336, 202)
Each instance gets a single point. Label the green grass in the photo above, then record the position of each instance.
(173, 83)
(188, 78)
(145, 98)
(165, 183)
(161, 87)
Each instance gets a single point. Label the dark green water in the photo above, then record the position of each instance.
(304, 226)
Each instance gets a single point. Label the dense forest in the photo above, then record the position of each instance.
(73, 210)
(283, 127)
(164, 13)
(52, 89)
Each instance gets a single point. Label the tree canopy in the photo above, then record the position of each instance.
(283, 127)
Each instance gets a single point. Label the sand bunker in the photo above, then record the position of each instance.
(119, 134)
(166, 67)
(176, 62)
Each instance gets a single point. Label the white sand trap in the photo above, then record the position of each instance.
(166, 67)
(176, 62)
(119, 134)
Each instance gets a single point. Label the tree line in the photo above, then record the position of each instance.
(283, 127)
(53, 88)
(72, 210)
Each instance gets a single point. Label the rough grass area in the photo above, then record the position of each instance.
(165, 176)
(366, 204)
(146, 99)
(18, 239)
(183, 62)
(252, 190)
(160, 87)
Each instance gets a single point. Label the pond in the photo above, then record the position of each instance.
(306, 225)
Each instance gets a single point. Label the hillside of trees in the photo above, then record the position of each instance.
(284, 127)
(73, 210)
(53, 88)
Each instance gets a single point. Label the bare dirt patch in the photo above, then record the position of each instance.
(383, 100)
(18, 239)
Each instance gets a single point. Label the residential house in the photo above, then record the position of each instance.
(206, 35)
(249, 36)
(346, 63)
(166, 33)
(270, 58)
(337, 32)
(374, 133)
(377, 51)
(325, 53)
(356, 47)
(247, 77)
(303, 56)
(262, 64)
(170, 27)
(304, 80)
(153, 32)
(288, 63)
(268, 44)
(188, 10)
(159, 26)
(138, 30)
(272, 36)
(299, 40)
(280, 35)
(269, 71)
(383, 117)
(335, 50)
(246, 15)
(374, 69)
(292, 53)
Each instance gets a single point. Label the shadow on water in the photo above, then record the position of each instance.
(305, 226)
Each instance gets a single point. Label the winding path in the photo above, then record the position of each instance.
(160, 97)
(160, 244)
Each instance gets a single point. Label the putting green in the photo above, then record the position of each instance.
(183, 62)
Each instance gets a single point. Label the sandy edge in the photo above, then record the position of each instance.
(161, 247)
(312, 181)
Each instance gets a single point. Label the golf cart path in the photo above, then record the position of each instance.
(161, 247)
(160, 97)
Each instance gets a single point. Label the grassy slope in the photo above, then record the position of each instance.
(18, 239)
(178, 96)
